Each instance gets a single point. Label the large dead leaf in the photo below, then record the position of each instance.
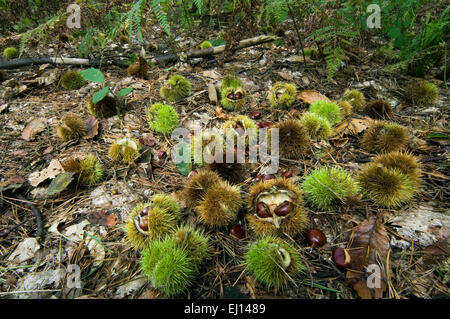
(309, 96)
(91, 127)
(369, 250)
(53, 170)
(33, 128)
(103, 217)
(354, 127)
(212, 93)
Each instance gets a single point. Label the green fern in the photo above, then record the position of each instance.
(39, 33)
(157, 9)
(335, 38)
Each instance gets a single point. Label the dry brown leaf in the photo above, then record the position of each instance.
(221, 115)
(33, 128)
(212, 93)
(286, 76)
(354, 127)
(91, 127)
(370, 246)
(53, 170)
(310, 96)
(104, 218)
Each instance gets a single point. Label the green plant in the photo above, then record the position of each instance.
(273, 262)
(72, 80)
(162, 118)
(176, 88)
(327, 188)
(11, 53)
(103, 102)
(328, 110)
(282, 95)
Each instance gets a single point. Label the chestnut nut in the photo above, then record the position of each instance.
(284, 208)
(262, 210)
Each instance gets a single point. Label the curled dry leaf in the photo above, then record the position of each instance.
(221, 115)
(310, 96)
(91, 127)
(103, 217)
(369, 252)
(212, 93)
(353, 127)
(33, 128)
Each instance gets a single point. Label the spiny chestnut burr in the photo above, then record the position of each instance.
(316, 238)
(276, 207)
(237, 231)
(341, 257)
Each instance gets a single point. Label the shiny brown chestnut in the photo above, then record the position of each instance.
(262, 210)
(237, 231)
(256, 115)
(284, 208)
(341, 257)
(257, 179)
(316, 238)
(286, 174)
(267, 177)
(238, 96)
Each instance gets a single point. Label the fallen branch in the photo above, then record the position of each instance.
(17, 63)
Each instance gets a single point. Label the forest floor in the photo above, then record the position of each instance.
(84, 226)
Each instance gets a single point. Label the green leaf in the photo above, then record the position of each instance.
(184, 167)
(125, 91)
(93, 75)
(217, 42)
(439, 136)
(60, 183)
(100, 94)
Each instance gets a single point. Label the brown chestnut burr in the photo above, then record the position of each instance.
(316, 238)
(237, 231)
(341, 257)
(284, 208)
(262, 210)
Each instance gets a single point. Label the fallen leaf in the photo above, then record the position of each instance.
(212, 74)
(212, 93)
(60, 183)
(286, 76)
(369, 248)
(24, 251)
(53, 170)
(75, 232)
(33, 128)
(103, 217)
(91, 127)
(13, 182)
(309, 96)
(96, 250)
(354, 127)
(221, 115)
